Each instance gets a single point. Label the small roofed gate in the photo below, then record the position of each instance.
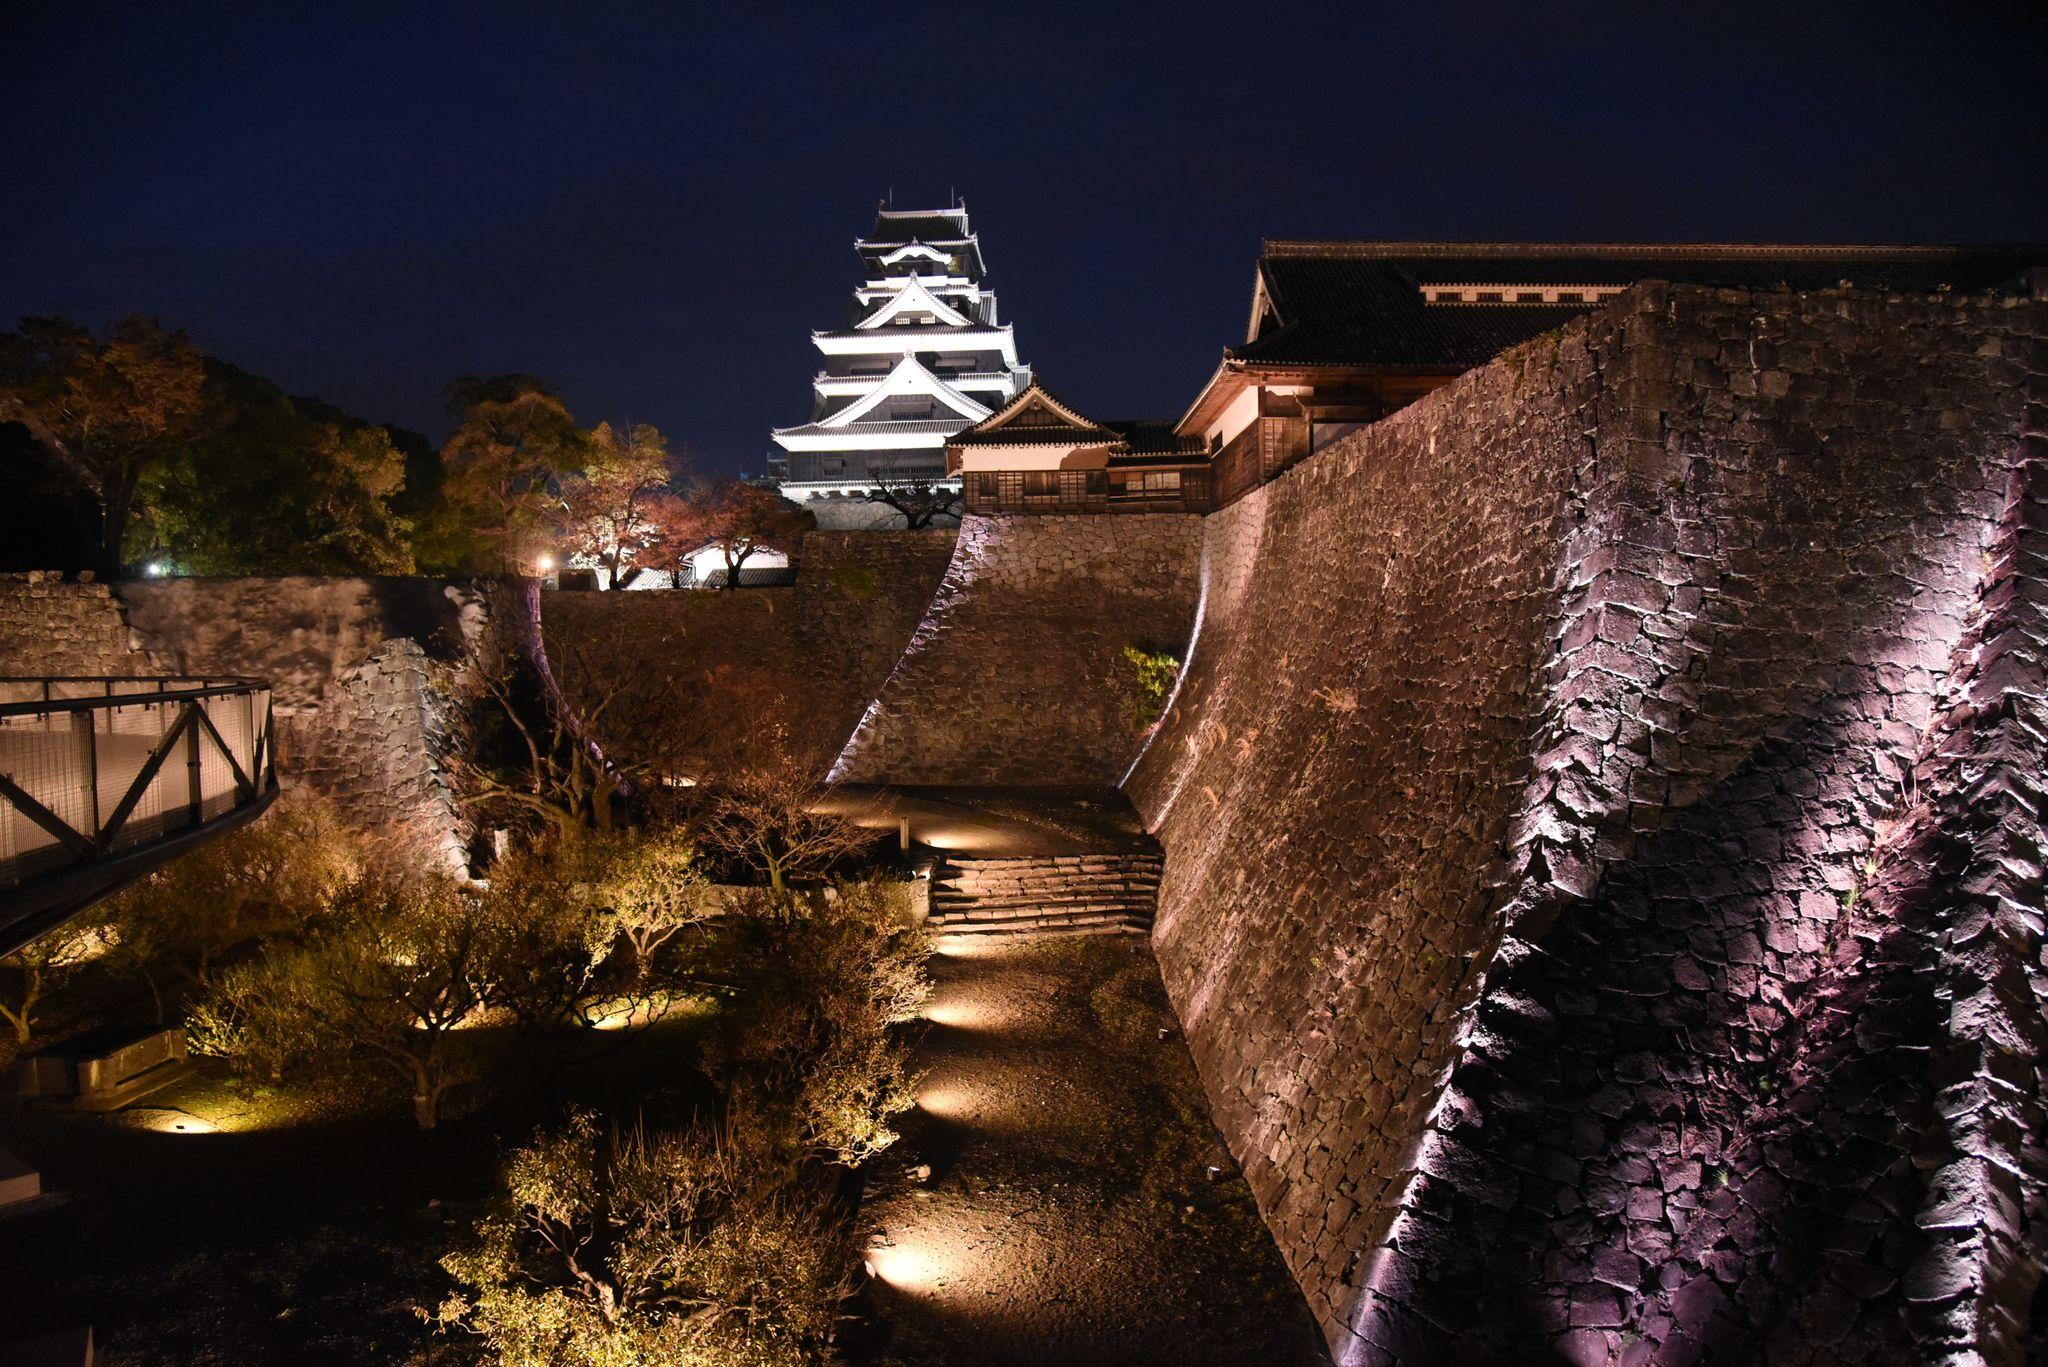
(104, 779)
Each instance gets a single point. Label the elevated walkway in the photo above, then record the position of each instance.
(104, 779)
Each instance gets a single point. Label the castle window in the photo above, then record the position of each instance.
(1569, 297)
(1486, 297)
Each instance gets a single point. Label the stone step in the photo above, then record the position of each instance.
(1036, 867)
(1027, 866)
(1045, 925)
(1061, 890)
(940, 906)
(973, 885)
(1108, 894)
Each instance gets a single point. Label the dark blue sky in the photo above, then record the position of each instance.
(653, 210)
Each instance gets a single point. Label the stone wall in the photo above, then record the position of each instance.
(825, 644)
(388, 729)
(301, 632)
(358, 717)
(1602, 814)
(1016, 675)
(48, 626)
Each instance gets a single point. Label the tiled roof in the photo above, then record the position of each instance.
(998, 430)
(1360, 303)
(903, 427)
(1014, 435)
(949, 333)
(932, 226)
(1156, 437)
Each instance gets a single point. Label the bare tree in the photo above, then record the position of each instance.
(918, 499)
(527, 750)
(767, 811)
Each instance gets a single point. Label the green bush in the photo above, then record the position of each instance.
(279, 875)
(1145, 680)
(385, 988)
(808, 1040)
(689, 1248)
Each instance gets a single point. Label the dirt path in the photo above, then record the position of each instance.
(1068, 1217)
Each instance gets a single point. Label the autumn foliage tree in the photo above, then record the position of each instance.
(746, 519)
(610, 507)
(106, 410)
(502, 472)
(281, 485)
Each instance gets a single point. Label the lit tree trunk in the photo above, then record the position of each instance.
(732, 566)
(31, 992)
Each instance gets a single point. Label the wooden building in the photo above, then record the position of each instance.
(1343, 333)
(1039, 454)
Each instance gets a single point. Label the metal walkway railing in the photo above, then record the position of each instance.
(103, 779)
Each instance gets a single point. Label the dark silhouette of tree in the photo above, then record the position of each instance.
(280, 486)
(919, 500)
(106, 410)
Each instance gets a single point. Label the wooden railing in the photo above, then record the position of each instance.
(101, 779)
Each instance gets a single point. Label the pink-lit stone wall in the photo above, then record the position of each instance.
(1602, 820)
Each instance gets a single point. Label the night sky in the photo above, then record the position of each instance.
(653, 211)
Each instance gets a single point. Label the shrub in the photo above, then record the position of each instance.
(647, 889)
(386, 988)
(678, 1248)
(1145, 680)
(282, 872)
(767, 816)
(809, 1038)
(538, 941)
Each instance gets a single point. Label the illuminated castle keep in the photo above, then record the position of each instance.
(923, 356)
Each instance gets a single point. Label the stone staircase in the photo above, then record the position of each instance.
(1082, 894)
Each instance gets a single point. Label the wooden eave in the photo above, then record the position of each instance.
(1232, 376)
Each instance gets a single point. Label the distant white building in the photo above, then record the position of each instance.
(706, 564)
(924, 356)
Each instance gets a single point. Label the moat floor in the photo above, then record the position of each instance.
(1068, 1216)
(998, 823)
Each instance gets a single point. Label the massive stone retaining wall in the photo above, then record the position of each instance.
(366, 671)
(1016, 676)
(1603, 829)
(822, 646)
